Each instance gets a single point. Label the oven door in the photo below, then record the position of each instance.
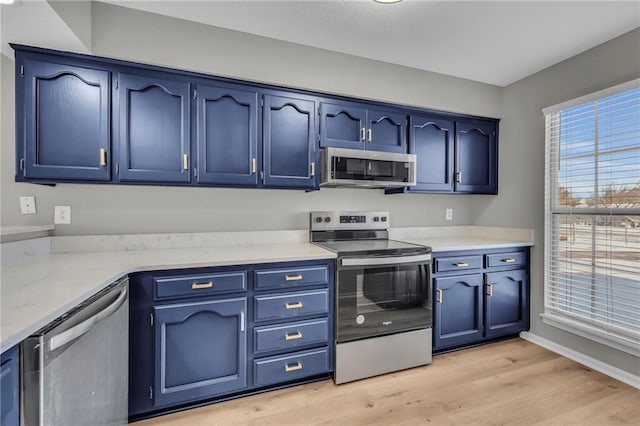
(382, 295)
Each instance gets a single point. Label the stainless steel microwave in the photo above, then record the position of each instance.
(368, 169)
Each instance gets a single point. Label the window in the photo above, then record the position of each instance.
(592, 216)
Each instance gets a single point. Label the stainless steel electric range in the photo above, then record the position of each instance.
(383, 295)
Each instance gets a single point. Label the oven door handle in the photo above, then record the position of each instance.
(388, 260)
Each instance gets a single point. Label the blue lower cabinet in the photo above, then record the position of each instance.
(200, 350)
(458, 314)
(10, 388)
(506, 303)
(291, 305)
(288, 367)
(290, 336)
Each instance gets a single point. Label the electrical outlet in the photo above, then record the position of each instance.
(28, 205)
(448, 214)
(62, 215)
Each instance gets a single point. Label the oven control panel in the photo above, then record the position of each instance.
(337, 220)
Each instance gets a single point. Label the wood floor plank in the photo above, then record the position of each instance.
(509, 383)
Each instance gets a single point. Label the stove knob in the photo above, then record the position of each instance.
(376, 219)
(327, 219)
(318, 219)
(384, 218)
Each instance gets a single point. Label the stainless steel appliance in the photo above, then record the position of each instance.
(75, 371)
(370, 169)
(383, 295)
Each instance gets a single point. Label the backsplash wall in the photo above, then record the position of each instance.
(150, 38)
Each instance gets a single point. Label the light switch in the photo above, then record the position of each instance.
(62, 215)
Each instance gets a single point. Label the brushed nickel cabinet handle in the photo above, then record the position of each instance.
(490, 288)
(185, 161)
(293, 336)
(458, 177)
(313, 168)
(293, 277)
(439, 295)
(363, 134)
(103, 157)
(254, 166)
(369, 135)
(460, 265)
(196, 286)
(296, 366)
(293, 305)
(510, 260)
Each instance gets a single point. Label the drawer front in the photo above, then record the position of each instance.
(284, 368)
(292, 277)
(200, 285)
(290, 336)
(458, 263)
(506, 259)
(291, 305)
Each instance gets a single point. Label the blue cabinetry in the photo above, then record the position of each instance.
(479, 295)
(154, 131)
(67, 128)
(476, 157)
(349, 125)
(10, 388)
(208, 334)
(227, 135)
(290, 155)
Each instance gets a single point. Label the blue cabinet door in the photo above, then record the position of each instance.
(200, 350)
(154, 129)
(431, 140)
(342, 126)
(290, 155)
(506, 303)
(386, 131)
(10, 388)
(458, 316)
(227, 136)
(67, 122)
(476, 158)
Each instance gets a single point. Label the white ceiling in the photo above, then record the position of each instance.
(496, 42)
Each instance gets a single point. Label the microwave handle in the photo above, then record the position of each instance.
(389, 260)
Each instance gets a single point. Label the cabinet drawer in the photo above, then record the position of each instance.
(284, 368)
(200, 285)
(292, 277)
(506, 259)
(458, 263)
(289, 336)
(291, 305)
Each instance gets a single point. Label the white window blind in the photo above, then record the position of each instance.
(592, 216)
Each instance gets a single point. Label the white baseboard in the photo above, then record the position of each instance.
(609, 370)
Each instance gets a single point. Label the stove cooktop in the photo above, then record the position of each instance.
(372, 247)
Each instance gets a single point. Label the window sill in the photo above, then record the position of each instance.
(621, 343)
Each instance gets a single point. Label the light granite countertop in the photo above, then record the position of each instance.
(34, 292)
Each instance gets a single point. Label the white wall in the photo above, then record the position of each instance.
(149, 38)
(521, 166)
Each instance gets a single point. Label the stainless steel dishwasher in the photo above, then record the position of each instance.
(75, 371)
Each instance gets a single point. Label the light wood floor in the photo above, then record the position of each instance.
(508, 383)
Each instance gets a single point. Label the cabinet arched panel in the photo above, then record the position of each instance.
(432, 142)
(289, 149)
(342, 126)
(227, 136)
(388, 131)
(507, 299)
(67, 134)
(200, 350)
(154, 130)
(458, 310)
(477, 158)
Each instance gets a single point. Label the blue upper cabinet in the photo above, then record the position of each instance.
(227, 136)
(289, 129)
(154, 129)
(342, 126)
(431, 140)
(346, 125)
(387, 131)
(66, 134)
(476, 157)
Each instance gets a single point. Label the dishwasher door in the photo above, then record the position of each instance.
(75, 371)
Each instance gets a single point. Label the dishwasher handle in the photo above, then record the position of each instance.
(85, 326)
